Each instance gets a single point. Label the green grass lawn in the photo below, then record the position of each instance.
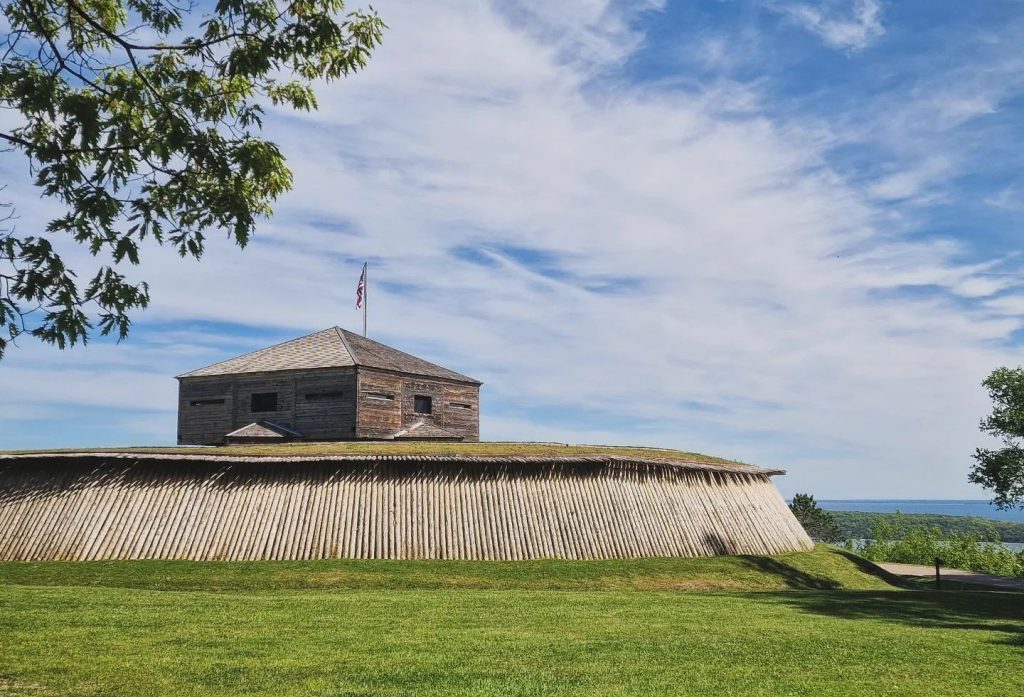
(800, 624)
(824, 568)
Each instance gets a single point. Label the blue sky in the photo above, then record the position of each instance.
(781, 231)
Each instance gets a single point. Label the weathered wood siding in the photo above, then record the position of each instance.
(381, 418)
(318, 403)
(205, 410)
(457, 418)
(96, 508)
(379, 405)
(325, 404)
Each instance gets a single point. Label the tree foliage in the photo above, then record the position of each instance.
(859, 525)
(1002, 470)
(817, 522)
(141, 119)
(896, 539)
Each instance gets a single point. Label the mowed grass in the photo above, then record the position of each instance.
(823, 568)
(461, 628)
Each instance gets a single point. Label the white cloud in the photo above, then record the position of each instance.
(844, 24)
(1008, 305)
(954, 109)
(911, 183)
(595, 32)
(616, 262)
(1009, 198)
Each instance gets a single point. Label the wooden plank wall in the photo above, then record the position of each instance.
(465, 422)
(379, 406)
(325, 404)
(378, 418)
(128, 509)
(206, 423)
(300, 404)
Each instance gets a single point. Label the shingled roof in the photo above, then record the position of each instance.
(329, 348)
(421, 430)
(263, 430)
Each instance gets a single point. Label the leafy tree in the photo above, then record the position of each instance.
(141, 119)
(896, 539)
(1002, 470)
(819, 523)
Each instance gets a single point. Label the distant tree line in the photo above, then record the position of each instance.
(859, 525)
(963, 542)
(835, 526)
(896, 539)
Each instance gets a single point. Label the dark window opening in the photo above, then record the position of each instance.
(263, 401)
(459, 405)
(380, 395)
(323, 396)
(422, 404)
(204, 402)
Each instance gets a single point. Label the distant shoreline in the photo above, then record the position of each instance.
(858, 524)
(980, 502)
(947, 507)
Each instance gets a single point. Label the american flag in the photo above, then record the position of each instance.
(361, 288)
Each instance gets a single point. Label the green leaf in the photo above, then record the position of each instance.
(152, 132)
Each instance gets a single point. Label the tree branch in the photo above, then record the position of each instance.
(61, 61)
(16, 140)
(66, 151)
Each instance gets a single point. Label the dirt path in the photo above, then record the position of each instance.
(1008, 582)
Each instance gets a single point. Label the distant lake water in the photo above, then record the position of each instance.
(982, 509)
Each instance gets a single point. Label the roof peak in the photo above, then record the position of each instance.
(333, 347)
(371, 353)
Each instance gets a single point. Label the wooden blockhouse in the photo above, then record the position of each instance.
(329, 385)
(374, 500)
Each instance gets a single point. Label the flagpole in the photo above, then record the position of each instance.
(366, 295)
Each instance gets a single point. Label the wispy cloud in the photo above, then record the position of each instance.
(844, 24)
(911, 183)
(1009, 198)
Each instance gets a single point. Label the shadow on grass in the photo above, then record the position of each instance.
(982, 610)
(871, 568)
(790, 575)
(796, 578)
(989, 611)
